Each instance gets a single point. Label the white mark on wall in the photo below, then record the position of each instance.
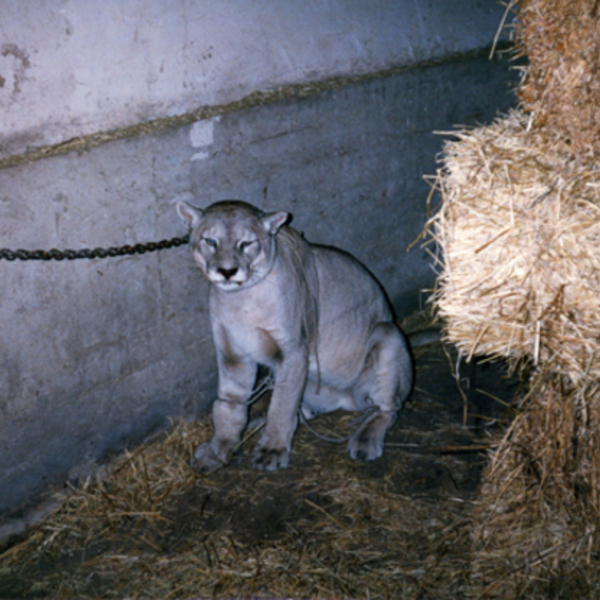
(14, 62)
(202, 135)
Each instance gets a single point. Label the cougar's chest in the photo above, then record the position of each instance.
(251, 322)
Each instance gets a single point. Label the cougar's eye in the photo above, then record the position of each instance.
(245, 245)
(210, 242)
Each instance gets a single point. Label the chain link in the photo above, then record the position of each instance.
(54, 254)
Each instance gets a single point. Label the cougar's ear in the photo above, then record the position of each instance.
(273, 222)
(190, 214)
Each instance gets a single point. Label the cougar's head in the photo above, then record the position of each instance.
(232, 241)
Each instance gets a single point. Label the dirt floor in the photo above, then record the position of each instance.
(325, 527)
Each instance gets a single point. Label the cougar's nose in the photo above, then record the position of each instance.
(227, 273)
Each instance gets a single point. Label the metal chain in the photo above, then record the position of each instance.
(68, 254)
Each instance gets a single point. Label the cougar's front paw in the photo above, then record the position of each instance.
(206, 459)
(270, 459)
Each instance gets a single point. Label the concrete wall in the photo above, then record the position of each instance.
(73, 67)
(97, 354)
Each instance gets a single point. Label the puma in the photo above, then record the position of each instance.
(312, 314)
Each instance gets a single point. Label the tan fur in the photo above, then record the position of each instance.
(314, 315)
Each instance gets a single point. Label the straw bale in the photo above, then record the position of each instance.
(519, 230)
(561, 85)
(537, 522)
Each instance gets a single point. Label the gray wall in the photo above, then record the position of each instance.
(74, 67)
(97, 354)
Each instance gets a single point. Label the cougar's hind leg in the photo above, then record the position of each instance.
(386, 381)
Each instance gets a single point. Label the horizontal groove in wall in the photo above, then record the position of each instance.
(258, 98)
